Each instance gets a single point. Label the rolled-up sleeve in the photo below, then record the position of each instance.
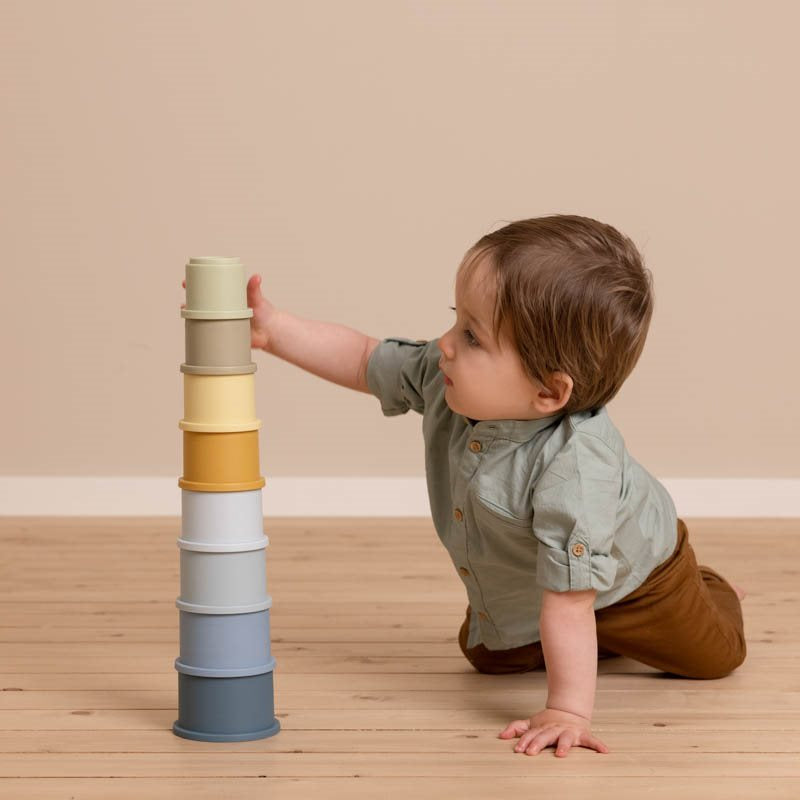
(399, 371)
(575, 504)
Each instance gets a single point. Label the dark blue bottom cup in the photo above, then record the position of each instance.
(226, 709)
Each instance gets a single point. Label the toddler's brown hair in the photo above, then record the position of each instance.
(572, 295)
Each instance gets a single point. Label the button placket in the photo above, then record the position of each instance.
(458, 541)
(472, 466)
(468, 468)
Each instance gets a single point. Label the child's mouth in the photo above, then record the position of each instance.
(447, 381)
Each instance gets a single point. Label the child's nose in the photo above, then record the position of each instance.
(446, 344)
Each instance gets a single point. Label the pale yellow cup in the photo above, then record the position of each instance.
(219, 403)
(216, 288)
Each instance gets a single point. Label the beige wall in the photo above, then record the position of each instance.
(351, 152)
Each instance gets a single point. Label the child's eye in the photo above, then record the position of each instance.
(471, 340)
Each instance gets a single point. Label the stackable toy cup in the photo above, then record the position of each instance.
(225, 668)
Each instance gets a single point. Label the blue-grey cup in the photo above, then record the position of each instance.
(226, 709)
(224, 646)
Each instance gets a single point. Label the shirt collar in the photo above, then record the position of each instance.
(517, 430)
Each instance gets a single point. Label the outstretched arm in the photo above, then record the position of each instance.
(326, 349)
(329, 350)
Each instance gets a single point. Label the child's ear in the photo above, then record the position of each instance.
(556, 394)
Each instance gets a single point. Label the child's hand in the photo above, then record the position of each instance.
(548, 727)
(263, 310)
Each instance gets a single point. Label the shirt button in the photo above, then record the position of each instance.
(578, 550)
(482, 615)
(458, 515)
(475, 446)
(464, 571)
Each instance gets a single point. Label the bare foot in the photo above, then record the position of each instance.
(739, 591)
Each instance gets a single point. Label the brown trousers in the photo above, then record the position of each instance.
(684, 619)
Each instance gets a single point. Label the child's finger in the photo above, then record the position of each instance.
(536, 740)
(254, 296)
(594, 743)
(565, 741)
(515, 728)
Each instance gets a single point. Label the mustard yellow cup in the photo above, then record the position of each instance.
(216, 288)
(219, 403)
(221, 462)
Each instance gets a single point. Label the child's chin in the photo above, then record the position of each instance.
(455, 407)
(452, 406)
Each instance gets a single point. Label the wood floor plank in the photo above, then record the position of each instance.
(617, 674)
(400, 719)
(623, 701)
(620, 736)
(570, 784)
(405, 634)
(495, 762)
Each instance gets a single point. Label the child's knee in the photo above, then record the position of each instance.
(719, 666)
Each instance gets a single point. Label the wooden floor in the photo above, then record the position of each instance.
(374, 697)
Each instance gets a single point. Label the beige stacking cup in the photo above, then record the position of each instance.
(218, 347)
(219, 403)
(216, 288)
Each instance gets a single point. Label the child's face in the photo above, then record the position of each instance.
(484, 378)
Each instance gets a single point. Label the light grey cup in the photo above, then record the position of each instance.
(222, 547)
(224, 646)
(222, 518)
(226, 709)
(223, 583)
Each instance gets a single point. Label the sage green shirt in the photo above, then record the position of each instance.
(527, 505)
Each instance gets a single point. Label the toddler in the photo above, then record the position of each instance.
(569, 550)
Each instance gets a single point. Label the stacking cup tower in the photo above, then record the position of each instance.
(225, 668)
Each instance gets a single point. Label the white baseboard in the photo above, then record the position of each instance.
(354, 497)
